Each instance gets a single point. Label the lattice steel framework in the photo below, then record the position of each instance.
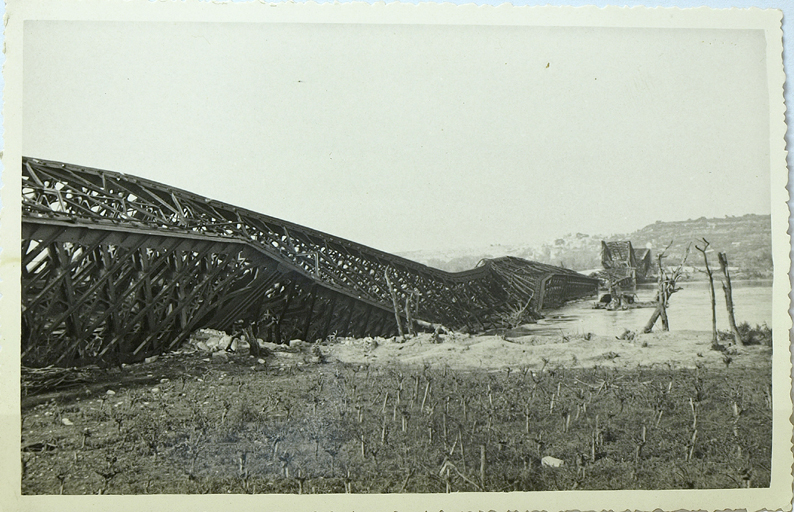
(115, 268)
(620, 265)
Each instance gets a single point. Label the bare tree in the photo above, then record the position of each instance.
(412, 310)
(662, 293)
(395, 304)
(667, 287)
(714, 341)
(726, 287)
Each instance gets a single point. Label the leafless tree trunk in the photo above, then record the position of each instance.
(412, 310)
(726, 287)
(663, 296)
(654, 317)
(408, 319)
(714, 341)
(395, 304)
(667, 287)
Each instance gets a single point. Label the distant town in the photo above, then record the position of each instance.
(747, 240)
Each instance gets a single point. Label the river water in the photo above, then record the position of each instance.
(689, 310)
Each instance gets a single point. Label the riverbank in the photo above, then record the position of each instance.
(454, 351)
(685, 349)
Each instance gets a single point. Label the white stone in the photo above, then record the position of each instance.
(271, 346)
(551, 462)
(224, 342)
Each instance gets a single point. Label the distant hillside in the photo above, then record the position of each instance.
(747, 240)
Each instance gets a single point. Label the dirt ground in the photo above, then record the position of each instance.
(665, 350)
(346, 413)
(686, 349)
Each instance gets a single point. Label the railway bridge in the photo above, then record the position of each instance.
(116, 268)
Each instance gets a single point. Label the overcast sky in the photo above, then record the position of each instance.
(408, 137)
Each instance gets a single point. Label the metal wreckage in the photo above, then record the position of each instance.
(116, 268)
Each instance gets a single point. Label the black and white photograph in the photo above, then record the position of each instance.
(342, 256)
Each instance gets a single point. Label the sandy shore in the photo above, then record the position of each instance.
(684, 349)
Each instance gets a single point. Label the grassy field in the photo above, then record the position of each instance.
(191, 424)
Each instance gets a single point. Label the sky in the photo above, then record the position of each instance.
(411, 137)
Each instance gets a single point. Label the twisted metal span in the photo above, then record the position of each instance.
(116, 268)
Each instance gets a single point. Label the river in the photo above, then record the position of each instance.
(689, 310)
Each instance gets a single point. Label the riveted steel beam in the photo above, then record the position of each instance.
(145, 264)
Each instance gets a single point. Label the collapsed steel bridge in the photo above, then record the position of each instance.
(116, 268)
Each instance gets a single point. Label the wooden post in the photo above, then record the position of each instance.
(482, 467)
(714, 341)
(640, 445)
(394, 304)
(462, 450)
(726, 287)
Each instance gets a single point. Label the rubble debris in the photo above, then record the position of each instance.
(627, 335)
(220, 356)
(51, 378)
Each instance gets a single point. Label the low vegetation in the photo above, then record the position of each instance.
(758, 335)
(201, 426)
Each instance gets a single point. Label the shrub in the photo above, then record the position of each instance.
(758, 335)
(610, 355)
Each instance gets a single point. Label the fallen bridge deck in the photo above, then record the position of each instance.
(116, 268)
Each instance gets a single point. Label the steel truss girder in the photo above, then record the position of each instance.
(117, 267)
